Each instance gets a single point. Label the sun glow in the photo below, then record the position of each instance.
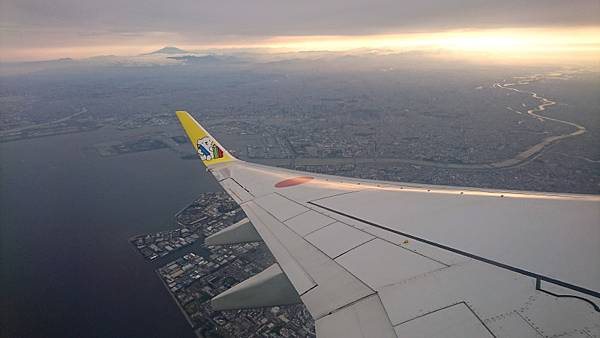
(572, 43)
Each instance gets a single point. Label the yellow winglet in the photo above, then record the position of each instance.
(210, 151)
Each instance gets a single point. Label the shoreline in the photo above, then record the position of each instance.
(187, 317)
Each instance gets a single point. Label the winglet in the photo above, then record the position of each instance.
(210, 151)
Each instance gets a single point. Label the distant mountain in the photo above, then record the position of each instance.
(168, 50)
(194, 58)
(207, 59)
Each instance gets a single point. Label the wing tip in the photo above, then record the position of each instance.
(207, 147)
(181, 113)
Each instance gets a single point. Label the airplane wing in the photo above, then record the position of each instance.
(384, 259)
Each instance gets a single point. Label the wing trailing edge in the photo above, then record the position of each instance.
(268, 288)
(241, 232)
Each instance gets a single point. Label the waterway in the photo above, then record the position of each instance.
(521, 158)
(66, 266)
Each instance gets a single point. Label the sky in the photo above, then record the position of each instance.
(41, 29)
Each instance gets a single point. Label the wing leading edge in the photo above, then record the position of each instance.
(383, 259)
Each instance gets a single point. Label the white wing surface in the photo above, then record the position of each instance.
(383, 259)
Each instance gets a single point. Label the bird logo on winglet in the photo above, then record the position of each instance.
(208, 149)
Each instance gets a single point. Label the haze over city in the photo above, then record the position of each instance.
(105, 205)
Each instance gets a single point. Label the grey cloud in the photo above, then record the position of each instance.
(41, 22)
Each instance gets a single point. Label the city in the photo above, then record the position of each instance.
(195, 278)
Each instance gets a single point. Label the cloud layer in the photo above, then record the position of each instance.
(65, 23)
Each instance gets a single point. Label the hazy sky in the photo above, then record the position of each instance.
(29, 26)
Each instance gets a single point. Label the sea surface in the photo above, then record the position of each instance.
(66, 266)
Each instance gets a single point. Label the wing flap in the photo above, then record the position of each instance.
(297, 276)
(364, 319)
(326, 286)
(240, 232)
(269, 287)
(455, 321)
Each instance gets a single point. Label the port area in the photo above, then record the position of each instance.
(210, 212)
(194, 278)
(148, 141)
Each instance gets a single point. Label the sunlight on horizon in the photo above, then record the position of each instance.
(524, 43)
(508, 45)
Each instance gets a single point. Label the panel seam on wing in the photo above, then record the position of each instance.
(263, 227)
(319, 250)
(470, 255)
(369, 233)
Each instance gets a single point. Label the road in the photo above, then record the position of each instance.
(44, 124)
